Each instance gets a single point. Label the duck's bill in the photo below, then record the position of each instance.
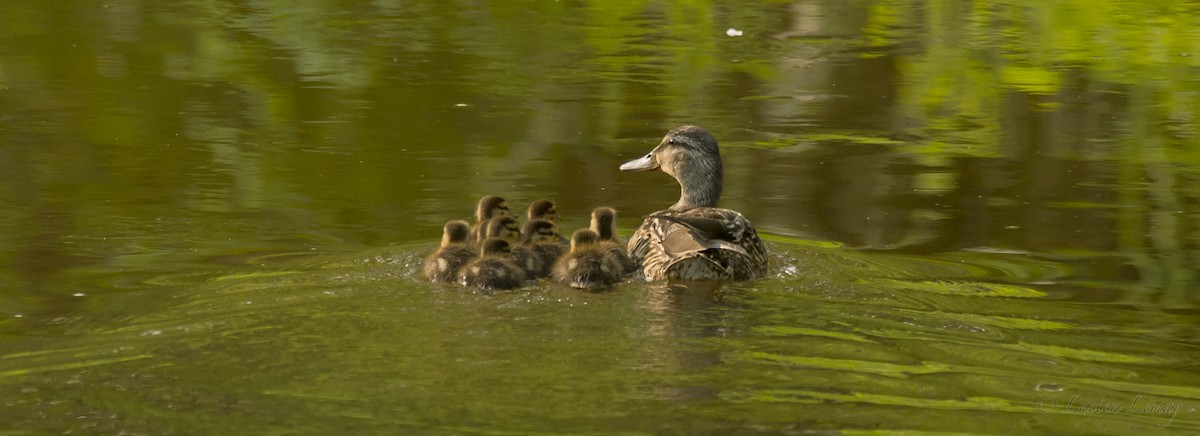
(644, 163)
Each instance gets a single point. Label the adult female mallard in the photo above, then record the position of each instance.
(452, 254)
(587, 265)
(493, 269)
(693, 239)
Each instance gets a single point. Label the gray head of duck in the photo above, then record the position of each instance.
(490, 206)
(539, 230)
(494, 247)
(604, 222)
(503, 227)
(583, 238)
(543, 210)
(455, 232)
(690, 155)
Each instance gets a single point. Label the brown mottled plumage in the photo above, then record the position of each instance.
(693, 239)
(493, 269)
(442, 265)
(587, 265)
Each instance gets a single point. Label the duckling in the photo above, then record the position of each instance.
(489, 206)
(505, 227)
(544, 209)
(604, 223)
(694, 239)
(452, 254)
(493, 269)
(587, 265)
(540, 248)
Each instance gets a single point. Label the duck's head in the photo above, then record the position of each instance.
(690, 155)
(494, 247)
(491, 206)
(455, 232)
(583, 238)
(604, 222)
(542, 210)
(503, 227)
(539, 230)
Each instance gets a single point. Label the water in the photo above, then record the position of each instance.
(982, 217)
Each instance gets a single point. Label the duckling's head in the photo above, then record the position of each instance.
(491, 206)
(539, 230)
(690, 155)
(455, 232)
(503, 227)
(542, 209)
(583, 238)
(604, 222)
(494, 247)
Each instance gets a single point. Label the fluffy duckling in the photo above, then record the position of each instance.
(540, 248)
(604, 223)
(443, 264)
(488, 207)
(493, 269)
(694, 239)
(506, 228)
(545, 210)
(587, 265)
(503, 227)
(542, 210)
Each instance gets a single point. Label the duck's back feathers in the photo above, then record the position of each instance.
(493, 269)
(706, 243)
(587, 265)
(454, 252)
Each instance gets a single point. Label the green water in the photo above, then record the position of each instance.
(983, 217)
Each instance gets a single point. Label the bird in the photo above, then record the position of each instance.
(587, 265)
(604, 223)
(488, 206)
(542, 209)
(493, 269)
(694, 239)
(506, 228)
(540, 247)
(455, 251)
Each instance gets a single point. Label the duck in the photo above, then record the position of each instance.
(493, 269)
(506, 228)
(540, 247)
(604, 223)
(694, 239)
(443, 264)
(587, 265)
(489, 206)
(544, 209)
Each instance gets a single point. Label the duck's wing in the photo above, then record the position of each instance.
(720, 237)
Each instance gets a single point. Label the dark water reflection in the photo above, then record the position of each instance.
(983, 217)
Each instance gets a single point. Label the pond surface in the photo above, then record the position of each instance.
(983, 217)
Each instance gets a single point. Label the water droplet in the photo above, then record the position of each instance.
(1049, 387)
(733, 32)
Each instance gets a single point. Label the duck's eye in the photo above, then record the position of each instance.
(671, 141)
